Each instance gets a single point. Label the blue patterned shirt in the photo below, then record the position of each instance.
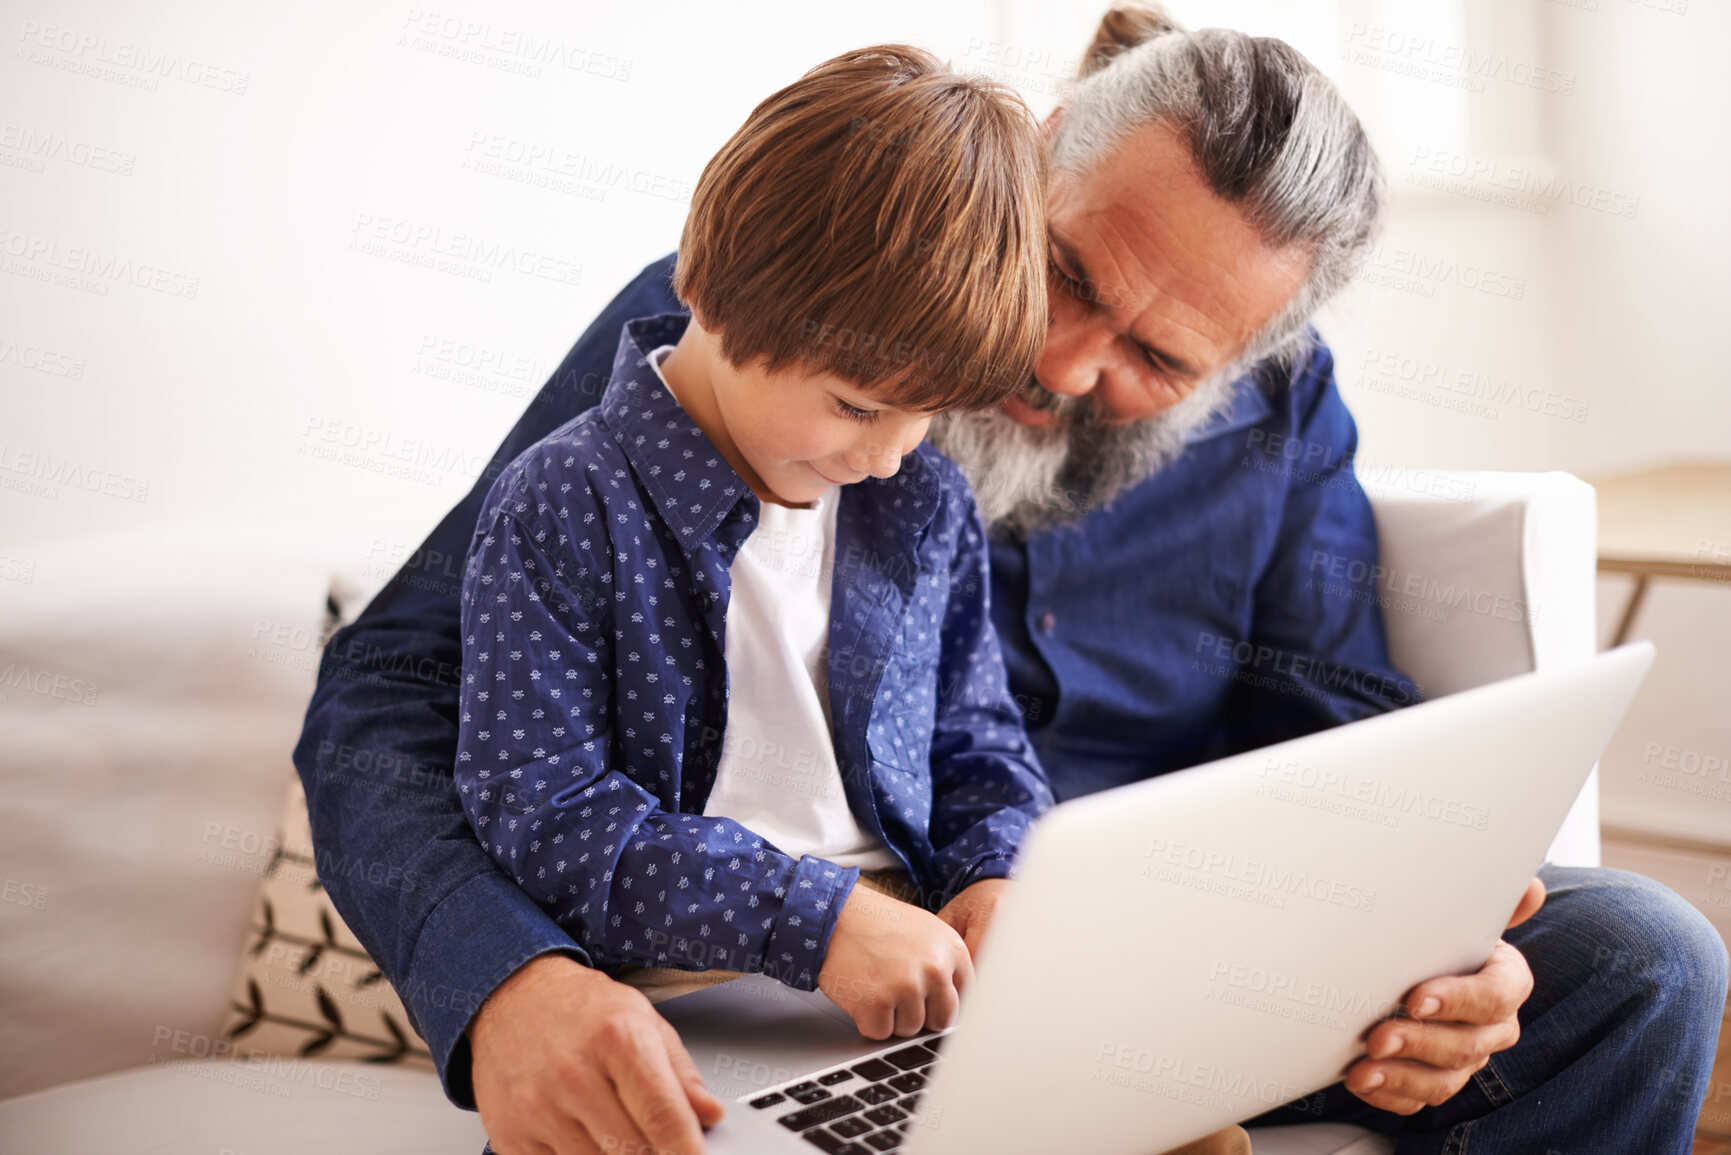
(594, 691)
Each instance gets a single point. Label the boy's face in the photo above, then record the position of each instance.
(802, 432)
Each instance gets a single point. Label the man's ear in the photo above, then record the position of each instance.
(1053, 120)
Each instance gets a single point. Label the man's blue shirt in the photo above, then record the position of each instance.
(594, 690)
(1188, 620)
(1200, 613)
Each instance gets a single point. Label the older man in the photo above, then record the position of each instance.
(1152, 536)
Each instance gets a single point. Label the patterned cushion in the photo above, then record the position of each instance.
(306, 985)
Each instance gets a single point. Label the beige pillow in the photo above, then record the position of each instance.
(306, 986)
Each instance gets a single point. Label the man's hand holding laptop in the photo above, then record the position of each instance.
(1455, 1024)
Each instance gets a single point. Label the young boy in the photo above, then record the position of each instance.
(726, 640)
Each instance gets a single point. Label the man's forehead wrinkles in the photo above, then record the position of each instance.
(1223, 285)
(1161, 309)
(1224, 302)
(1115, 251)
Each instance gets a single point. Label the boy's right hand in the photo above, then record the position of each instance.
(894, 967)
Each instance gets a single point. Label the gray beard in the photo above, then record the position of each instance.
(1028, 479)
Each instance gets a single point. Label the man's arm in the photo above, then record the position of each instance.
(380, 739)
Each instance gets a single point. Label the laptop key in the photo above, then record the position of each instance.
(876, 1093)
(835, 1077)
(768, 1100)
(851, 1127)
(824, 1112)
(912, 1081)
(835, 1145)
(884, 1116)
(885, 1140)
(807, 1093)
(873, 1069)
(909, 1058)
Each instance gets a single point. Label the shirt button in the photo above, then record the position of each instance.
(1048, 622)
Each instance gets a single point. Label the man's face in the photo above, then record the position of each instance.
(1156, 283)
(1156, 286)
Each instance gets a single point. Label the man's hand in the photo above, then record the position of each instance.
(970, 912)
(1455, 1024)
(896, 968)
(569, 1062)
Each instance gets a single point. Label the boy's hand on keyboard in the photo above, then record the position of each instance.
(970, 912)
(894, 967)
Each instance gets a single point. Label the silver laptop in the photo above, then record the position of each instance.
(1191, 951)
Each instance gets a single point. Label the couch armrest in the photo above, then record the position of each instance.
(1489, 575)
(152, 683)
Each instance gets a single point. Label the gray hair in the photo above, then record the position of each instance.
(1268, 132)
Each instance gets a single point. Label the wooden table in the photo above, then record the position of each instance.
(1673, 522)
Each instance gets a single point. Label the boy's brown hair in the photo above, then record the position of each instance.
(881, 219)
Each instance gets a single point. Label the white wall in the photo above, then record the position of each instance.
(217, 222)
(1641, 327)
(1614, 340)
(270, 330)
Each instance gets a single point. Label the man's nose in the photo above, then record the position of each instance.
(1074, 359)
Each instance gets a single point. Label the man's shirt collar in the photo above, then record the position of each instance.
(1248, 408)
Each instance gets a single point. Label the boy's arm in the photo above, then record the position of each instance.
(380, 735)
(987, 784)
(536, 768)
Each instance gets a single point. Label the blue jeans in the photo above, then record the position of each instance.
(1617, 1040)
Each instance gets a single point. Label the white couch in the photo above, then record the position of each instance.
(155, 681)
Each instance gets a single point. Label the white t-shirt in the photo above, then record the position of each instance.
(778, 775)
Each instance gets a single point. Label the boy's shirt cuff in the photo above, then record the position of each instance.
(800, 941)
(480, 935)
(997, 864)
(986, 850)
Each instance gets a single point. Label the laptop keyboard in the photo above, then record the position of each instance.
(856, 1108)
